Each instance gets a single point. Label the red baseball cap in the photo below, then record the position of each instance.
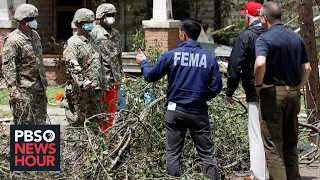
(252, 8)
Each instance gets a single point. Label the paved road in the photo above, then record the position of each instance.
(308, 172)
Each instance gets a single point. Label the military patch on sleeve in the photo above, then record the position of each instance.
(7, 57)
(7, 54)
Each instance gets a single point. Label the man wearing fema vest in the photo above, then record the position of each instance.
(193, 79)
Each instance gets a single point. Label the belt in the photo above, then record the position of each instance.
(283, 88)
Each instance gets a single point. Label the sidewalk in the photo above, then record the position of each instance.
(51, 110)
(56, 115)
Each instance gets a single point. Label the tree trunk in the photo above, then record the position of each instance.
(308, 35)
(217, 14)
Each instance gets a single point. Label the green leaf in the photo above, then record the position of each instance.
(105, 152)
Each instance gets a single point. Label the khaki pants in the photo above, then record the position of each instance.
(279, 127)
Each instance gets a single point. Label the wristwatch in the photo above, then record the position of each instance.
(260, 85)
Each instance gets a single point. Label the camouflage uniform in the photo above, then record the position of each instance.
(24, 71)
(84, 66)
(110, 47)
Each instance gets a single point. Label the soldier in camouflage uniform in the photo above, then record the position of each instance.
(108, 39)
(84, 71)
(23, 69)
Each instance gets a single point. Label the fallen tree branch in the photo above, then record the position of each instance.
(121, 150)
(145, 111)
(90, 143)
(310, 126)
(120, 143)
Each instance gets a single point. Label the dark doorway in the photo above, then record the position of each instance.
(64, 14)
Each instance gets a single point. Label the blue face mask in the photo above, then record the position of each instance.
(87, 27)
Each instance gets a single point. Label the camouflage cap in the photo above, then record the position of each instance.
(24, 11)
(83, 15)
(105, 8)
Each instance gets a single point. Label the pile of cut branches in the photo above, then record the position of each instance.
(134, 148)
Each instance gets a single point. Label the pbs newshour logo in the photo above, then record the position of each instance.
(35, 147)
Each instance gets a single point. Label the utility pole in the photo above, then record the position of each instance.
(308, 35)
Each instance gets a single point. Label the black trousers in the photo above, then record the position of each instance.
(177, 123)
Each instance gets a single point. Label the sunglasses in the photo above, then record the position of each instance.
(110, 15)
(28, 19)
(262, 15)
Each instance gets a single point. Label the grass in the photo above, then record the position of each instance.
(51, 95)
(4, 97)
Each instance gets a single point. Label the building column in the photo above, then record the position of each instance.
(162, 27)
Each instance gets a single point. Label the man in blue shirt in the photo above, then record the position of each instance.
(193, 79)
(282, 67)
